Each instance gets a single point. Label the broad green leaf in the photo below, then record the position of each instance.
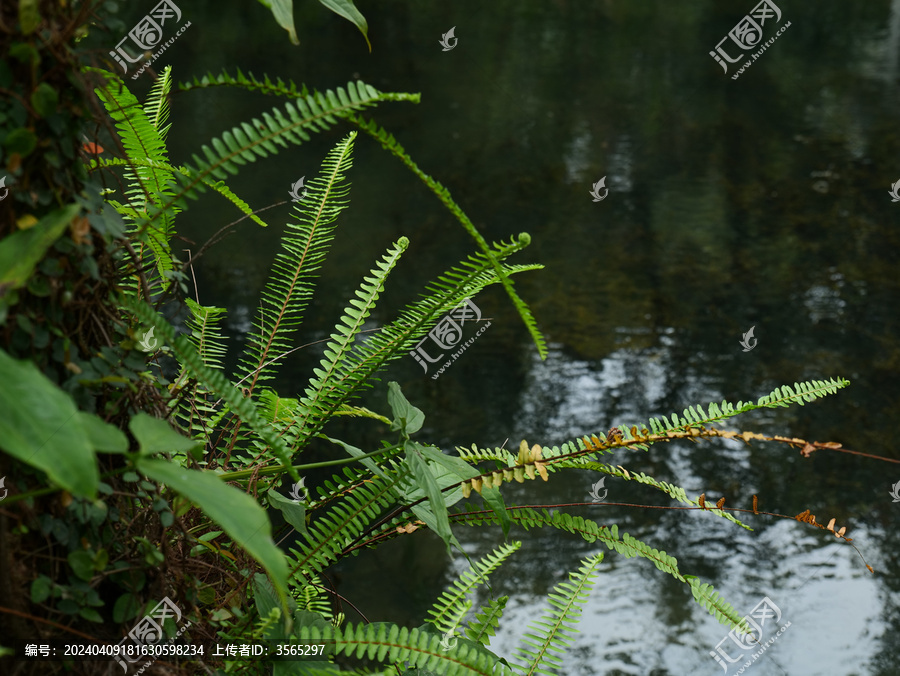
(426, 481)
(294, 512)
(234, 511)
(493, 499)
(21, 251)
(266, 599)
(447, 470)
(102, 436)
(40, 426)
(82, 564)
(41, 588)
(22, 141)
(347, 9)
(126, 608)
(156, 436)
(44, 99)
(407, 418)
(283, 11)
(368, 463)
(29, 16)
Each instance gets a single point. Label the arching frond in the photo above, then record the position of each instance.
(551, 637)
(448, 604)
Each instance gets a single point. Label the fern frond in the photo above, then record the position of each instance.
(239, 80)
(304, 247)
(258, 138)
(389, 643)
(345, 520)
(448, 603)
(217, 186)
(391, 144)
(157, 106)
(212, 380)
(206, 332)
(361, 412)
(540, 650)
(143, 140)
(392, 342)
(675, 492)
(474, 454)
(323, 393)
(486, 620)
(779, 398)
(627, 546)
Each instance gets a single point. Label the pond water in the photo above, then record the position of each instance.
(760, 201)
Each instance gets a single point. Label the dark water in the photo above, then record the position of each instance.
(761, 201)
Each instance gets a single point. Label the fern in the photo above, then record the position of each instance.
(346, 519)
(554, 629)
(290, 90)
(142, 132)
(386, 642)
(627, 546)
(449, 602)
(258, 138)
(353, 369)
(390, 143)
(486, 620)
(779, 398)
(213, 380)
(304, 245)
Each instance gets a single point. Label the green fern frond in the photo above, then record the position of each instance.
(675, 492)
(323, 393)
(361, 412)
(260, 137)
(389, 643)
(448, 604)
(391, 144)
(206, 332)
(540, 650)
(143, 140)
(239, 80)
(346, 519)
(304, 247)
(217, 186)
(779, 398)
(475, 454)
(712, 601)
(627, 546)
(361, 364)
(157, 106)
(212, 380)
(486, 620)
